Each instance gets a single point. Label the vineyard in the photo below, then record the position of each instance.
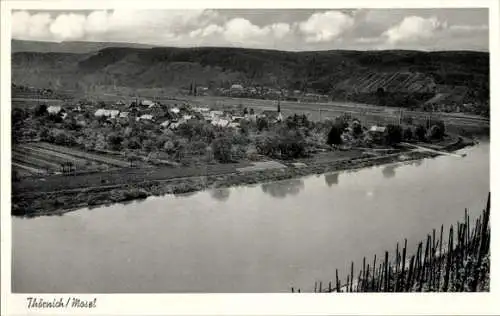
(398, 81)
(460, 265)
(44, 159)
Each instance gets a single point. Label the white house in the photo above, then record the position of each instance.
(215, 114)
(147, 117)
(106, 113)
(187, 117)
(201, 109)
(165, 124)
(54, 109)
(124, 114)
(220, 122)
(236, 87)
(175, 110)
(147, 102)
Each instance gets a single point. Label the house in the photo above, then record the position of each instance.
(54, 109)
(377, 133)
(124, 114)
(175, 110)
(106, 113)
(201, 109)
(215, 114)
(146, 102)
(165, 124)
(187, 117)
(220, 122)
(78, 109)
(120, 103)
(236, 87)
(147, 117)
(175, 125)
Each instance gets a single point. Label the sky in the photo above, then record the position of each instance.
(284, 29)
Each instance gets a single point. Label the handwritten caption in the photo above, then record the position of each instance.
(61, 302)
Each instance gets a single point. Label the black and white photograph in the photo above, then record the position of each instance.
(247, 150)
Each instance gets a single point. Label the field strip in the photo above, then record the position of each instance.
(35, 161)
(84, 155)
(50, 153)
(30, 169)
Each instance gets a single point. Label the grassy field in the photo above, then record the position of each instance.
(43, 158)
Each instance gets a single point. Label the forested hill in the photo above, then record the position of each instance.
(368, 76)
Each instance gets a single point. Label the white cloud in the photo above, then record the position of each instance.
(27, 26)
(414, 28)
(326, 26)
(280, 30)
(240, 31)
(360, 29)
(68, 26)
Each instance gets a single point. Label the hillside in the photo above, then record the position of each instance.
(67, 47)
(380, 77)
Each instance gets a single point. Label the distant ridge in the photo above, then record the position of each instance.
(391, 77)
(78, 47)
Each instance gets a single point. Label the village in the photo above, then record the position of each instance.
(145, 133)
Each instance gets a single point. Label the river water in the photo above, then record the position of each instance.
(260, 238)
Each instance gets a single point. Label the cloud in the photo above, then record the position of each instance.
(241, 31)
(414, 28)
(326, 26)
(68, 26)
(278, 29)
(25, 25)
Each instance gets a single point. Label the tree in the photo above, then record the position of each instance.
(437, 130)
(334, 136)
(357, 129)
(408, 133)
(115, 141)
(394, 134)
(420, 132)
(40, 110)
(222, 148)
(381, 96)
(262, 124)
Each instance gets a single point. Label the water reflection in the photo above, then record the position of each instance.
(389, 171)
(332, 178)
(417, 163)
(283, 188)
(220, 194)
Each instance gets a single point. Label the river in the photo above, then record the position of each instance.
(260, 238)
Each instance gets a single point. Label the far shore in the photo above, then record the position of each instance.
(60, 202)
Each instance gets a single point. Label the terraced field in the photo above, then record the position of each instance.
(42, 159)
(399, 81)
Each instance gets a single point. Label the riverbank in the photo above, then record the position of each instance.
(62, 201)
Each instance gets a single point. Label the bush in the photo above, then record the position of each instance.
(285, 144)
(408, 133)
(437, 130)
(334, 136)
(262, 124)
(41, 110)
(420, 132)
(115, 141)
(222, 148)
(394, 134)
